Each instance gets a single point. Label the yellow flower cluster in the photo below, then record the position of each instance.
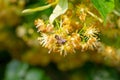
(68, 33)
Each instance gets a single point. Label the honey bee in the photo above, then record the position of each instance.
(60, 40)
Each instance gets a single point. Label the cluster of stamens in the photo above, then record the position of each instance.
(67, 36)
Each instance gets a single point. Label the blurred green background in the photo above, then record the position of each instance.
(22, 58)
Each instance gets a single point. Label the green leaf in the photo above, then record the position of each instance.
(117, 7)
(34, 74)
(60, 8)
(103, 74)
(104, 7)
(15, 70)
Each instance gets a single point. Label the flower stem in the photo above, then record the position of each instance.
(40, 8)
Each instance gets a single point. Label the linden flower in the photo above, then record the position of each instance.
(42, 27)
(39, 23)
(82, 15)
(46, 40)
(49, 28)
(91, 31)
(43, 39)
(91, 44)
(66, 24)
(66, 48)
(67, 28)
(65, 20)
(75, 40)
(68, 34)
(84, 46)
(81, 12)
